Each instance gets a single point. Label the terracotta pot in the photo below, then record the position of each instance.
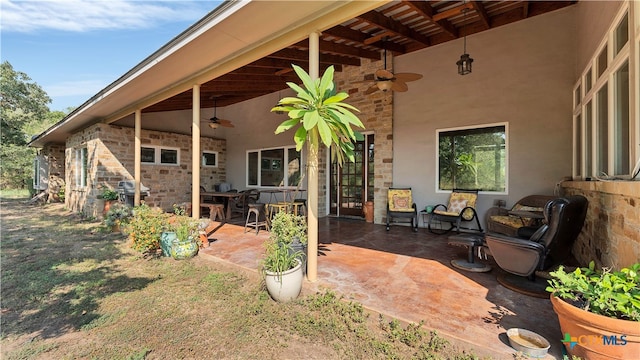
(107, 206)
(595, 336)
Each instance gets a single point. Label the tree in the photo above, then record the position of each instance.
(24, 112)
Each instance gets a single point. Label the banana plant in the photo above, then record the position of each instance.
(320, 115)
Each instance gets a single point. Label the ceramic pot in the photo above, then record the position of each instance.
(285, 286)
(184, 249)
(596, 337)
(166, 241)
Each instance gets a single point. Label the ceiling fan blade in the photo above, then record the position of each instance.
(406, 77)
(225, 123)
(399, 86)
(384, 74)
(373, 88)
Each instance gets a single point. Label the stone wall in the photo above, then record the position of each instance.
(611, 234)
(376, 113)
(54, 155)
(111, 159)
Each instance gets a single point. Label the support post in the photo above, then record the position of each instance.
(312, 168)
(195, 158)
(137, 157)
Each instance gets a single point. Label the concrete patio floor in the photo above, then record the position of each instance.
(408, 276)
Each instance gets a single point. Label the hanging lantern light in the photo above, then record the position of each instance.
(464, 64)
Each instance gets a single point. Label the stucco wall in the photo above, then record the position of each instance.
(593, 19)
(523, 75)
(111, 159)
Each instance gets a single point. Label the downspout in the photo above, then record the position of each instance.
(137, 156)
(195, 156)
(312, 163)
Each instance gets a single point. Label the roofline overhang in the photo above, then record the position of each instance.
(112, 103)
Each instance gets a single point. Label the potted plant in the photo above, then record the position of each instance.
(110, 197)
(117, 216)
(598, 311)
(282, 270)
(185, 245)
(290, 230)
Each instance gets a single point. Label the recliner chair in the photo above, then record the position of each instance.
(550, 245)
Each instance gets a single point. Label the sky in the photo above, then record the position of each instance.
(75, 48)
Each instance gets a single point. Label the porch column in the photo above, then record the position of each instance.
(312, 163)
(137, 156)
(195, 155)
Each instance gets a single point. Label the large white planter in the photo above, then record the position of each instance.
(286, 286)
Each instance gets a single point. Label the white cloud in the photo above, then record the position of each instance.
(86, 15)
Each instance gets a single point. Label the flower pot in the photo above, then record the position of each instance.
(297, 246)
(285, 286)
(166, 241)
(592, 336)
(184, 249)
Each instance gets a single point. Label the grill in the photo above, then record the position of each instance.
(127, 189)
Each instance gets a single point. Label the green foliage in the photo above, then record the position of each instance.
(185, 227)
(145, 228)
(118, 214)
(109, 194)
(23, 113)
(614, 294)
(286, 227)
(279, 258)
(321, 115)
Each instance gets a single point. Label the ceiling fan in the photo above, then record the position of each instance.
(215, 122)
(385, 80)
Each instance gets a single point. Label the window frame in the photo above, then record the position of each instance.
(81, 167)
(260, 167)
(473, 127)
(588, 145)
(204, 161)
(157, 155)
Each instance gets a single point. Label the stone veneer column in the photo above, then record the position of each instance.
(611, 234)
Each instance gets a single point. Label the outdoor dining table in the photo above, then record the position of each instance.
(288, 194)
(227, 195)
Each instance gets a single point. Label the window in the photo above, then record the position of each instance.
(159, 155)
(603, 128)
(473, 158)
(81, 167)
(36, 172)
(210, 158)
(277, 167)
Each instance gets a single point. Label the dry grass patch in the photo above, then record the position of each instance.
(71, 291)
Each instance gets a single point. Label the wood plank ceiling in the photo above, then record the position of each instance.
(400, 26)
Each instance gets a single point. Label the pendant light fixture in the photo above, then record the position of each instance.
(464, 64)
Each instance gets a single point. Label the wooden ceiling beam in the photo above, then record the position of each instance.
(294, 54)
(393, 26)
(424, 9)
(341, 49)
(482, 13)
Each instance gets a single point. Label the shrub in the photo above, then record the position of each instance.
(146, 227)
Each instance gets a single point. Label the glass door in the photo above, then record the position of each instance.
(352, 184)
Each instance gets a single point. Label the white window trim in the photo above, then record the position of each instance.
(156, 153)
(80, 170)
(204, 164)
(285, 163)
(628, 54)
(479, 126)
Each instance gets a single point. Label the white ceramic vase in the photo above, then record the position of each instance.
(286, 286)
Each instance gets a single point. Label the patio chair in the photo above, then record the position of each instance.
(549, 246)
(400, 205)
(461, 207)
(240, 204)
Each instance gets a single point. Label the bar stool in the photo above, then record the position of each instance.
(276, 208)
(300, 206)
(215, 211)
(260, 217)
